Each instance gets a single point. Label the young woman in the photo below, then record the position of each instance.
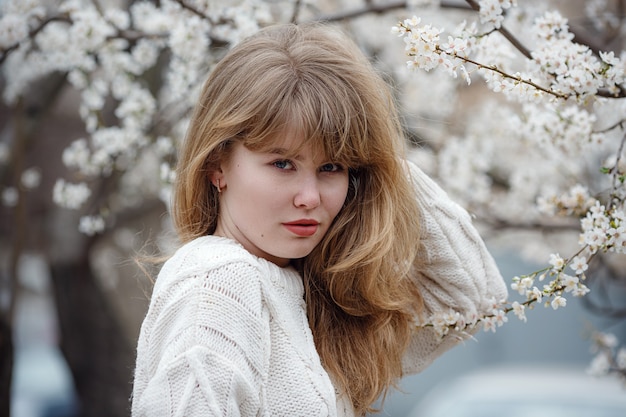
(312, 254)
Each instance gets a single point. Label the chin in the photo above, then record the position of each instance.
(296, 253)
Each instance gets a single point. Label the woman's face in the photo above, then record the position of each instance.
(277, 206)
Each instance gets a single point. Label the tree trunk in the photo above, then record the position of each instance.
(101, 359)
(6, 366)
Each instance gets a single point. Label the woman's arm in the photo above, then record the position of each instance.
(457, 272)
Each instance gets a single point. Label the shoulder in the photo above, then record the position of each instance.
(207, 261)
(208, 283)
(213, 249)
(207, 305)
(207, 252)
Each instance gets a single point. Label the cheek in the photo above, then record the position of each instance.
(260, 196)
(338, 196)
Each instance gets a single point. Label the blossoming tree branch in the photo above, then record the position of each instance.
(570, 107)
(545, 155)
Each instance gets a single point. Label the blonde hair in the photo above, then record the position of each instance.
(361, 300)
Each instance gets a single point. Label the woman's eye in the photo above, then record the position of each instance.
(330, 167)
(283, 164)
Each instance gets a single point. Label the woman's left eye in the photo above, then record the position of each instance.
(283, 164)
(330, 167)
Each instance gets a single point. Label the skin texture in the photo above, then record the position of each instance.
(279, 203)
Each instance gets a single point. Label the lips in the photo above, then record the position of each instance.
(303, 227)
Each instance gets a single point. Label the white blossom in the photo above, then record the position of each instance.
(31, 178)
(556, 261)
(76, 156)
(620, 358)
(78, 79)
(94, 97)
(604, 229)
(491, 11)
(145, 53)
(189, 39)
(601, 16)
(558, 302)
(500, 317)
(10, 196)
(13, 29)
(519, 310)
(490, 324)
(118, 18)
(164, 146)
(24, 7)
(581, 290)
(136, 109)
(570, 282)
(605, 340)
(71, 196)
(168, 175)
(91, 225)
(599, 365)
(150, 19)
(89, 29)
(579, 264)
(535, 294)
(522, 285)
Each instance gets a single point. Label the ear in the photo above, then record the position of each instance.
(217, 179)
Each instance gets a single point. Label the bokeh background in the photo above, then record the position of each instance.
(72, 303)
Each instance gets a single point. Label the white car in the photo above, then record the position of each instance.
(525, 392)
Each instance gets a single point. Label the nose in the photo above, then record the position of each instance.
(308, 193)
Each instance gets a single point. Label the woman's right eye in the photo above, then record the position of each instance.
(283, 164)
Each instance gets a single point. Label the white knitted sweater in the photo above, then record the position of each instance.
(226, 333)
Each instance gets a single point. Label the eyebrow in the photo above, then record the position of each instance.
(281, 151)
(284, 152)
(287, 153)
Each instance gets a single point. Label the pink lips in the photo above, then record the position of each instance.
(302, 227)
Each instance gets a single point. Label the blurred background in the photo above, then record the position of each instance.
(72, 301)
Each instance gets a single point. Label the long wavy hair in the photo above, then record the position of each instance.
(361, 300)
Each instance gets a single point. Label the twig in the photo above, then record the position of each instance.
(613, 126)
(194, 10)
(34, 32)
(618, 180)
(504, 31)
(296, 11)
(512, 77)
(369, 8)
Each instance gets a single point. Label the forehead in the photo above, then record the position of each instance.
(292, 144)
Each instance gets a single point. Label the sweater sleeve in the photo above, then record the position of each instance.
(457, 272)
(202, 348)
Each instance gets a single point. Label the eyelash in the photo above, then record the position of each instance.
(281, 162)
(333, 167)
